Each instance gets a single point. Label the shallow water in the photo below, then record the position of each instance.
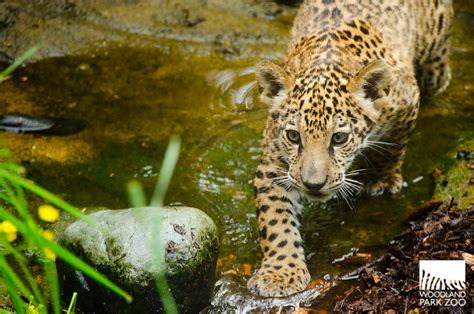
(134, 99)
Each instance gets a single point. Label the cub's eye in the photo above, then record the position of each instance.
(293, 136)
(339, 138)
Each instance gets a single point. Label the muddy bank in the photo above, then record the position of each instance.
(234, 28)
(391, 283)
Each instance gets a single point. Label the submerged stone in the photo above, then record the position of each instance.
(123, 247)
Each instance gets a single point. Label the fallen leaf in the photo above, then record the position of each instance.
(314, 283)
(247, 269)
(468, 258)
(230, 272)
(374, 275)
(302, 310)
(436, 173)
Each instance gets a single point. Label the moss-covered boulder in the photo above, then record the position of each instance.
(456, 181)
(123, 246)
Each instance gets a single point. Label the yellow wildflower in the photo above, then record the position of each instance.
(48, 213)
(32, 309)
(49, 254)
(48, 234)
(11, 237)
(9, 229)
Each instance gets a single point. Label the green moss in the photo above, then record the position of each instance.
(454, 182)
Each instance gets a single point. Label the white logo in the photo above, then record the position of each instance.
(442, 275)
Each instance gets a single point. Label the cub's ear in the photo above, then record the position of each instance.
(273, 81)
(370, 85)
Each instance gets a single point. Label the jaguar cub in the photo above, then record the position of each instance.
(348, 88)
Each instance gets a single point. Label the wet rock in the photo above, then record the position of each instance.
(18, 123)
(23, 123)
(5, 59)
(121, 246)
(454, 183)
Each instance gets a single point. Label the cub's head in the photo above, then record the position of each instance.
(320, 121)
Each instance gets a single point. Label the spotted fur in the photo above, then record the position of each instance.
(346, 95)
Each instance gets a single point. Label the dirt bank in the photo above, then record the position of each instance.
(233, 28)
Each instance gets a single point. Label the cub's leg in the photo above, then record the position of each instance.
(435, 72)
(385, 175)
(385, 154)
(283, 270)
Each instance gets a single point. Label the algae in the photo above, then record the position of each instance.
(456, 181)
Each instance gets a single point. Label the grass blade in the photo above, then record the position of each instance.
(46, 195)
(72, 305)
(16, 300)
(136, 195)
(166, 297)
(166, 172)
(52, 276)
(21, 260)
(10, 276)
(18, 62)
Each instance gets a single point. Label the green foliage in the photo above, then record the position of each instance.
(16, 219)
(15, 210)
(137, 199)
(20, 233)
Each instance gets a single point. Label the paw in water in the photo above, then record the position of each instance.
(390, 184)
(231, 296)
(272, 283)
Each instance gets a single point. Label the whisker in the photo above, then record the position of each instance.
(353, 182)
(383, 143)
(356, 171)
(376, 148)
(368, 162)
(379, 147)
(346, 197)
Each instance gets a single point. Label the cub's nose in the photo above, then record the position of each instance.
(314, 187)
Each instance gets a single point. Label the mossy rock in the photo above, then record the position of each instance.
(124, 246)
(455, 181)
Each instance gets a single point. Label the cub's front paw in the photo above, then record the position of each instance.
(390, 184)
(268, 282)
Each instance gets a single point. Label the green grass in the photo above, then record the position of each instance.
(27, 296)
(9, 70)
(72, 304)
(14, 209)
(26, 235)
